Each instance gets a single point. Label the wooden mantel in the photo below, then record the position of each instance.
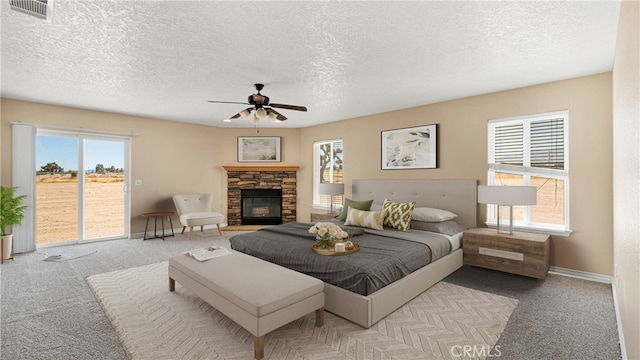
(260, 168)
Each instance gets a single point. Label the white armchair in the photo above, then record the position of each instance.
(195, 210)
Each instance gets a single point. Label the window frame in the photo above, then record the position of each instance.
(317, 202)
(527, 171)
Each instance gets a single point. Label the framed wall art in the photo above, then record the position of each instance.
(259, 148)
(410, 148)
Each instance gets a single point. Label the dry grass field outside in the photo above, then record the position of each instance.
(57, 207)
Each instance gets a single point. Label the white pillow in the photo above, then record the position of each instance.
(431, 214)
(370, 219)
(375, 207)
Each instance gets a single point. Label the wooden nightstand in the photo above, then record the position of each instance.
(315, 217)
(520, 253)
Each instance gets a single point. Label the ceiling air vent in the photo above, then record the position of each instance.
(42, 9)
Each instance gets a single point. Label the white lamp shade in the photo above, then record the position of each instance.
(260, 113)
(507, 195)
(244, 113)
(331, 189)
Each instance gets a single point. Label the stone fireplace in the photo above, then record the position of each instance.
(260, 177)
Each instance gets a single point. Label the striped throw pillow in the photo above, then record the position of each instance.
(369, 219)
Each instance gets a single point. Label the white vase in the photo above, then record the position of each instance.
(7, 246)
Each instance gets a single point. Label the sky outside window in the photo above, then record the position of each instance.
(64, 152)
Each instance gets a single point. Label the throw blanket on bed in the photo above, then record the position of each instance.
(383, 258)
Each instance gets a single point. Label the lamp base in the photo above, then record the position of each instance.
(505, 230)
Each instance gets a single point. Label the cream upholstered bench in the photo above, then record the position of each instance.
(258, 295)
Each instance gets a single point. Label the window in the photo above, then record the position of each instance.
(327, 165)
(533, 151)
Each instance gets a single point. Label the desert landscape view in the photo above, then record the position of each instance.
(57, 207)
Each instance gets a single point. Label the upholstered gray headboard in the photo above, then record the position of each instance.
(457, 196)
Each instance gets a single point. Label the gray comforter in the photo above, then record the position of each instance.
(384, 256)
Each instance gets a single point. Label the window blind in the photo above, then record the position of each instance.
(508, 145)
(24, 177)
(547, 143)
(537, 143)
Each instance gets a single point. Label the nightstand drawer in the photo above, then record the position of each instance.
(520, 253)
(501, 253)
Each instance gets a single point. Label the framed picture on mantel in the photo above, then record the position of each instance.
(259, 149)
(410, 148)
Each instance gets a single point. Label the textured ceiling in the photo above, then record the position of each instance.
(165, 59)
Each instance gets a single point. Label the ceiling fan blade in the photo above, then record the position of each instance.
(228, 102)
(278, 115)
(289, 107)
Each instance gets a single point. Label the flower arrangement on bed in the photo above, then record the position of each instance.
(327, 234)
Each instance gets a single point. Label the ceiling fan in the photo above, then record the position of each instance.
(261, 107)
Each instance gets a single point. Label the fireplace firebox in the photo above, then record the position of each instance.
(261, 206)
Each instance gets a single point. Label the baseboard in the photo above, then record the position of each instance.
(623, 348)
(581, 274)
(175, 230)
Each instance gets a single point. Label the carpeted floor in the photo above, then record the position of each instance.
(557, 318)
(154, 323)
(49, 312)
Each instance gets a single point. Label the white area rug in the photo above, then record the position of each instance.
(445, 322)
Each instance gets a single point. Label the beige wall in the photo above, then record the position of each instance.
(463, 154)
(170, 157)
(626, 174)
(173, 157)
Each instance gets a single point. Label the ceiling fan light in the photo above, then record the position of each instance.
(272, 115)
(261, 112)
(244, 113)
(256, 119)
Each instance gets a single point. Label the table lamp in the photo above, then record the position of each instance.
(507, 196)
(331, 189)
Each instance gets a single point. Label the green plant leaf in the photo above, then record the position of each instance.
(12, 208)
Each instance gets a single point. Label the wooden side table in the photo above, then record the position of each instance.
(520, 253)
(315, 217)
(155, 216)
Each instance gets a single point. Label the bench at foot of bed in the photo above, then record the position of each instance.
(256, 294)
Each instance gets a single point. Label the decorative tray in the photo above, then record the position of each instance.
(331, 252)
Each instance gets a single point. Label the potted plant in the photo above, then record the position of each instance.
(11, 213)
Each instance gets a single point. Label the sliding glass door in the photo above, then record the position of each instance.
(56, 188)
(81, 188)
(104, 189)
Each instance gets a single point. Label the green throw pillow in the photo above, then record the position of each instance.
(360, 205)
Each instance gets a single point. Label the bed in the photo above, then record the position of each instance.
(367, 302)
